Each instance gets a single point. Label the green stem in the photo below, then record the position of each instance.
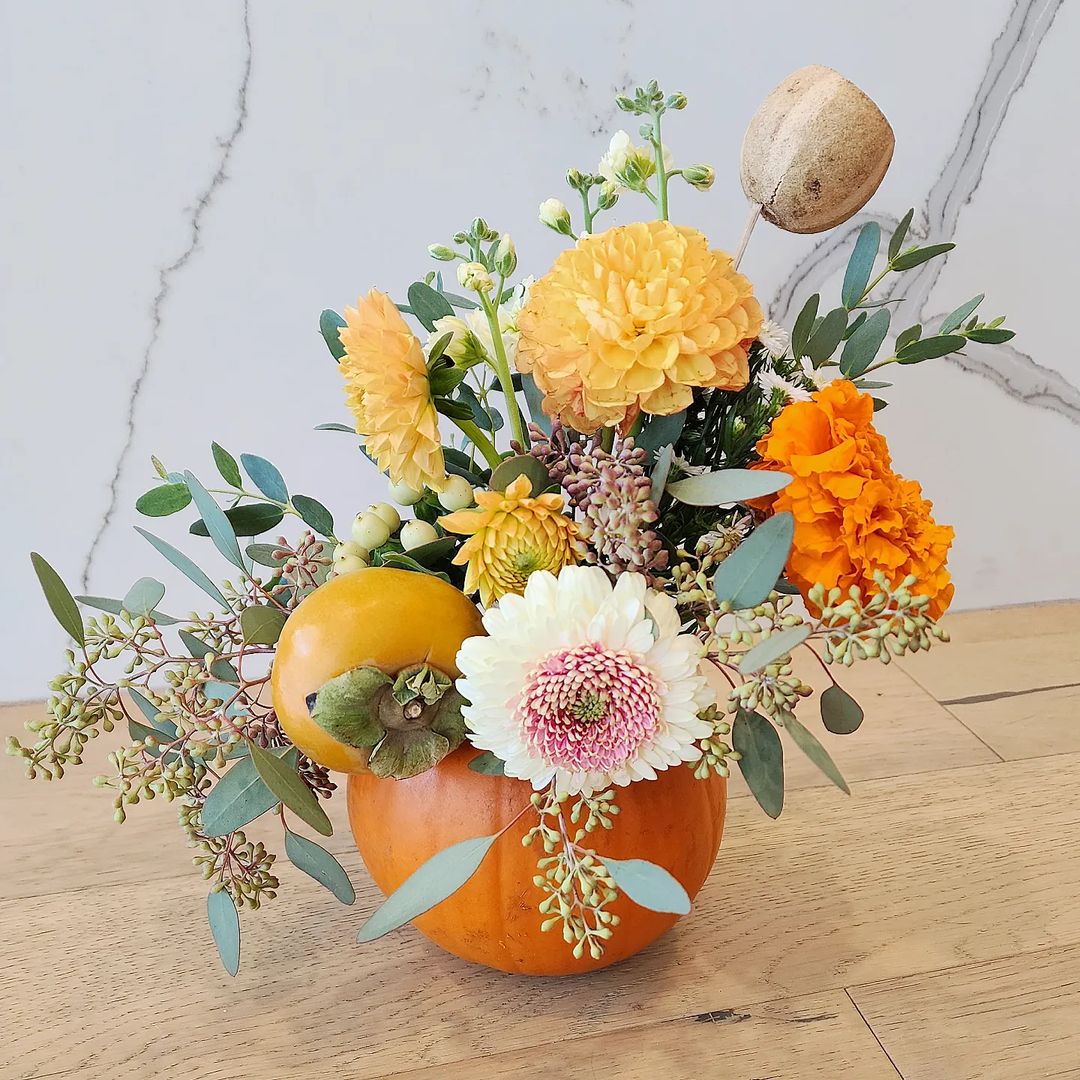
(589, 214)
(661, 175)
(502, 364)
(480, 439)
(607, 438)
(879, 364)
(873, 284)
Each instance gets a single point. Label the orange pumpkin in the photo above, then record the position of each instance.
(378, 617)
(675, 821)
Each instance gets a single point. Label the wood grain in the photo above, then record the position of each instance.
(1010, 1019)
(819, 1037)
(1031, 724)
(909, 880)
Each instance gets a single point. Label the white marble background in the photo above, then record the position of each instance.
(186, 186)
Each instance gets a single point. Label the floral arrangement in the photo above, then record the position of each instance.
(636, 476)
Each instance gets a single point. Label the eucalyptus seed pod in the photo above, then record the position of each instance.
(815, 151)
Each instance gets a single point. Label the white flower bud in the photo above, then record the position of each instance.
(699, 176)
(609, 196)
(441, 252)
(475, 276)
(505, 256)
(554, 215)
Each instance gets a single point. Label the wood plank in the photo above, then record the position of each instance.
(1013, 662)
(820, 1037)
(1017, 620)
(919, 873)
(1009, 1019)
(1031, 724)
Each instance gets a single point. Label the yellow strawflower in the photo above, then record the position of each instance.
(512, 535)
(387, 391)
(632, 319)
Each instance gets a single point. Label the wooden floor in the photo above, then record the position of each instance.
(928, 928)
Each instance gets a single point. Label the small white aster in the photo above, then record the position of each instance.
(769, 381)
(774, 337)
(585, 683)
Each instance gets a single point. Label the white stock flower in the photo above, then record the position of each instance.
(620, 151)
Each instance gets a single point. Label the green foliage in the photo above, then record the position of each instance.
(428, 305)
(861, 264)
(225, 927)
(648, 885)
(313, 513)
(808, 743)
(330, 322)
(184, 565)
(319, 865)
(289, 789)
(266, 477)
(727, 486)
(761, 760)
(262, 624)
(840, 712)
(250, 519)
(226, 466)
(430, 884)
(863, 345)
(241, 795)
(747, 576)
(163, 500)
(143, 596)
(217, 525)
(507, 471)
(770, 649)
(61, 602)
(487, 764)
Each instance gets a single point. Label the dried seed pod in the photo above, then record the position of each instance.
(815, 151)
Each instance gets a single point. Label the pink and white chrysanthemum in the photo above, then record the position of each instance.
(585, 683)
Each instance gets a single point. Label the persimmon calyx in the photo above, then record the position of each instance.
(409, 722)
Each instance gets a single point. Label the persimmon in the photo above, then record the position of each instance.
(675, 821)
(384, 639)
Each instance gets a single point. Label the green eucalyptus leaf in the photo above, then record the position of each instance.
(804, 325)
(330, 323)
(262, 624)
(930, 348)
(508, 470)
(284, 781)
(226, 466)
(659, 431)
(430, 884)
(861, 348)
(225, 927)
(458, 410)
(853, 326)
(840, 712)
(808, 743)
(184, 565)
(114, 607)
(335, 427)
(896, 241)
(163, 500)
(264, 555)
(266, 477)
(402, 561)
(198, 648)
(462, 302)
(906, 337)
(957, 317)
(750, 572)
(727, 486)
(152, 713)
(435, 552)
(918, 256)
(487, 764)
(861, 264)
(879, 404)
(251, 519)
(438, 347)
(428, 305)
(216, 524)
(61, 602)
(648, 885)
(761, 761)
(535, 400)
(143, 596)
(991, 335)
(772, 648)
(241, 795)
(314, 514)
(827, 336)
(318, 863)
(461, 465)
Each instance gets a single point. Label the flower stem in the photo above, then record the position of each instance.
(589, 214)
(661, 174)
(480, 440)
(502, 364)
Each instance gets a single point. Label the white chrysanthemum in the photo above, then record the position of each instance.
(585, 683)
(769, 381)
(774, 337)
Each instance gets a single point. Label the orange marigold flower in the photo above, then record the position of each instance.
(632, 319)
(510, 536)
(387, 391)
(853, 514)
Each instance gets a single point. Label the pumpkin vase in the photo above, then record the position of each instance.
(675, 821)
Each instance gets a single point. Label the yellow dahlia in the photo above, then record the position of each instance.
(633, 318)
(387, 391)
(511, 536)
